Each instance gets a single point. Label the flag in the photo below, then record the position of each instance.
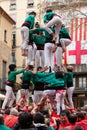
(77, 50)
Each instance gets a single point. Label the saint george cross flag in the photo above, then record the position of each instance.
(77, 50)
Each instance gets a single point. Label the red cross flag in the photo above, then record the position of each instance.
(77, 50)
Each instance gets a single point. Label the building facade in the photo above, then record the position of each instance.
(68, 9)
(18, 11)
(6, 23)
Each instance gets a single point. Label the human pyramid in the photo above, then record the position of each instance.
(46, 79)
(51, 80)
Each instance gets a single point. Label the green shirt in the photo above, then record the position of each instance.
(57, 83)
(42, 77)
(48, 16)
(48, 37)
(31, 20)
(64, 33)
(37, 30)
(49, 78)
(31, 37)
(69, 78)
(26, 77)
(39, 40)
(3, 127)
(12, 75)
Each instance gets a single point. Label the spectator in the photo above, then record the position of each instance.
(6, 113)
(65, 129)
(82, 123)
(11, 119)
(85, 108)
(39, 121)
(78, 128)
(63, 121)
(80, 116)
(72, 120)
(26, 121)
(2, 126)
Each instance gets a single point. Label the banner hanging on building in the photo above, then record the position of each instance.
(77, 51)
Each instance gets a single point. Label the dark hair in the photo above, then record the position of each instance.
(80, 115)
(63, 114)
(69, 70)
(32, 13)
(59, 75)
(67, 112)
(7, 112)
(50, 70)
(45, 113)
(72, 118)
(30, 67)
(48, 10)
(25, 120)
(37, 24)
(12, 67)
(78, 128)
(39, 118)
(1, 119)
(39, 67)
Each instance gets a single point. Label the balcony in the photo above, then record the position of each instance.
(64, 4)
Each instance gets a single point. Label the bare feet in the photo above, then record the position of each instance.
(54, 37)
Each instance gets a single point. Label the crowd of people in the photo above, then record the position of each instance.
(49, 81)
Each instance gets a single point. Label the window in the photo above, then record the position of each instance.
(30, 3)
(13, 58)
(4, 65)
(13, 39)
(12, 4)
(5, 35)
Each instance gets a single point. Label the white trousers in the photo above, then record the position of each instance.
(70, 91)
(59, 55)
(9, 98)
(39, 58)
(65, 42)
(25, 37)
(49, 55)
(58, 23)
(31, 54)
(60, 100)
(37, 96)
(59, 52)
(49, 92)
